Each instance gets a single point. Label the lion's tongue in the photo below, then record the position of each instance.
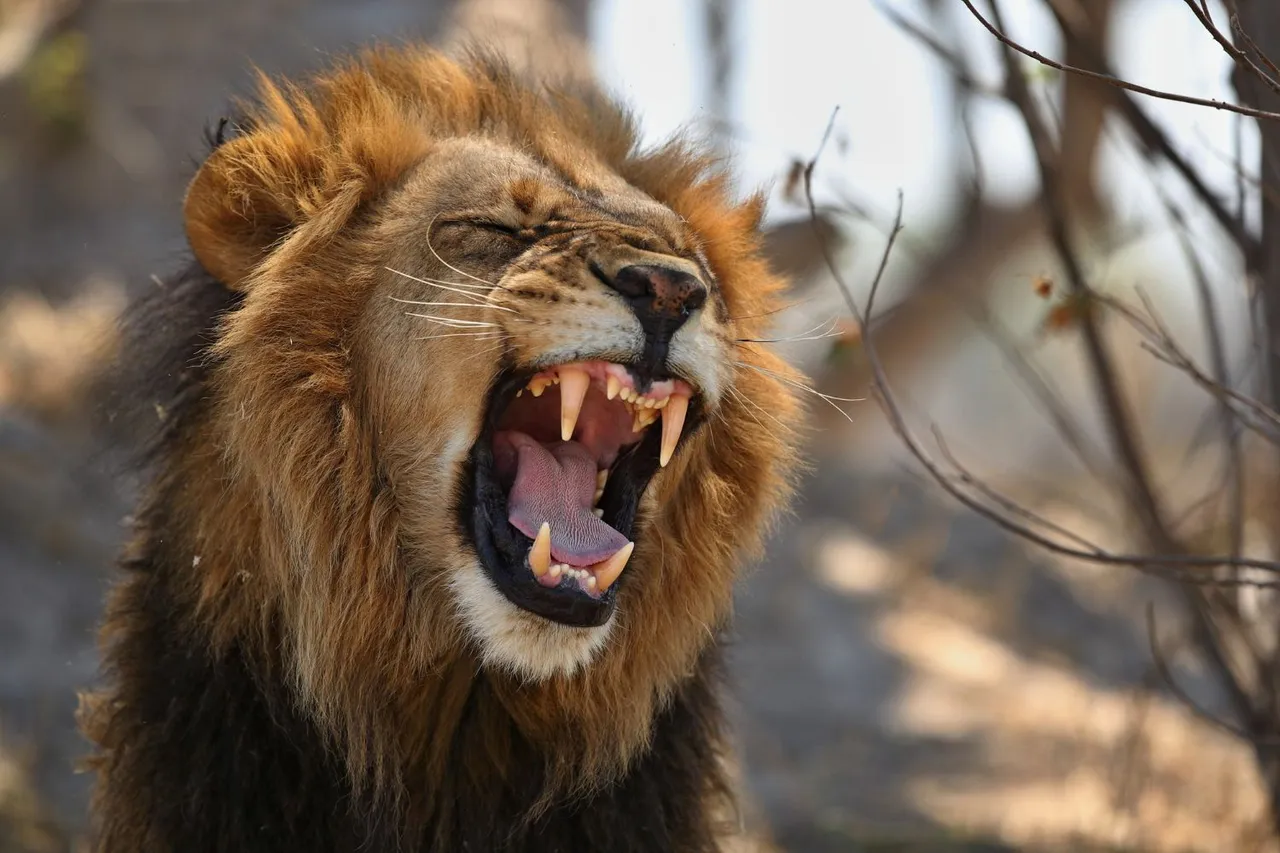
(556, 483)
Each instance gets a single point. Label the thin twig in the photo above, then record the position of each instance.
(1116, 81)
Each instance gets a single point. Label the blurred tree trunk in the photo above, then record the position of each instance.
(101, 127)
(1260, 20)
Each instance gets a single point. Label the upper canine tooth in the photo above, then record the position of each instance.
(574, 383)
(612, 567)
(672, 425)
(612, 387)
(540, 553)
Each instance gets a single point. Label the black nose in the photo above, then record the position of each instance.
(662, 298)
(659, 295)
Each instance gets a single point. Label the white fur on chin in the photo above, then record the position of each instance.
(518, 641)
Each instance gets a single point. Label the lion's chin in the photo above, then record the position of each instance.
(518, 642)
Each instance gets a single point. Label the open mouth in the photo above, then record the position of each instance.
(556, 480)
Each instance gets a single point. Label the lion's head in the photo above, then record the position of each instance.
(489, 396)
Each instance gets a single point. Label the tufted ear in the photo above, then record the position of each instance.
(305, 160)
(233, 212)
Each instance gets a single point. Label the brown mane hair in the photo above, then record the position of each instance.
(269, 575)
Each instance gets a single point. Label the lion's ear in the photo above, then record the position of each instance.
(234, 212)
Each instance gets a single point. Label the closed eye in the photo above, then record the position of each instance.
(500, 227)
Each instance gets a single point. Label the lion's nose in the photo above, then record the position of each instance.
(661, 297)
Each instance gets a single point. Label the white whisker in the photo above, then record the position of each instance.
(745, 400)
(442, 285)
(453, 321)
(483, 351)
(478, 335)
(808, 335)
(828, 398)
(452, 304)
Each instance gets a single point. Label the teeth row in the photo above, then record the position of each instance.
(599, 577)
(574, 382)
(558, 569)
(629, 395)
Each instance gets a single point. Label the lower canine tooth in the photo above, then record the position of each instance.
(540, 553)
(612, 567)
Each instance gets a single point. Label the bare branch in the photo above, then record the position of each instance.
(1116, 81)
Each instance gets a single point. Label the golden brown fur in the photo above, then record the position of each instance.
(312, 504)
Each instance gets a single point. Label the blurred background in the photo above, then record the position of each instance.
(1068, 335)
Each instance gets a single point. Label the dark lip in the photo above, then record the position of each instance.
(502, 548)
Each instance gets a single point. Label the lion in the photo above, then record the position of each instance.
(460, 428)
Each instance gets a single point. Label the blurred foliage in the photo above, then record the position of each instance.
(54, 81)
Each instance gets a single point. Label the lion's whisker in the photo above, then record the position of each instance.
(807, 335)
(829, 399)
(478, 335)
(778, 310)
(454, 322)
(453, 304)
(745, 400)
(442, 285)
(484, 351)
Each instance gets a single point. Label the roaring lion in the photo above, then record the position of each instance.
(462, 429)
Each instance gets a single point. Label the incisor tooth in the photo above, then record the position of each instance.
(556, 570)
(672, 425)
(592, 583)
(612, 568)
(598, 512)
(573, 389)
(540, 553)
(612, 387)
